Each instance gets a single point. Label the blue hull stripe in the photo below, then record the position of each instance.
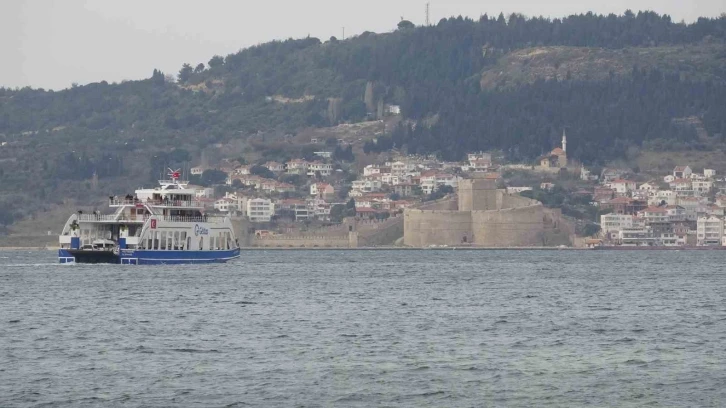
(145, 257)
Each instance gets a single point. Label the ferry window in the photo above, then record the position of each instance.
(201, 243)
(163, 240)
(156, 240)
(189, 242)
(213, 243)
(176, 241)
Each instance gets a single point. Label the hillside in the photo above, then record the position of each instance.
(462, 85)
(697, 62)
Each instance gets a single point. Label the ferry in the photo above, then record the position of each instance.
(162, 225)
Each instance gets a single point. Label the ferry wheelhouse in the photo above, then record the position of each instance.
(163, 225)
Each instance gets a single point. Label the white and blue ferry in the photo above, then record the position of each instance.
(163, 225)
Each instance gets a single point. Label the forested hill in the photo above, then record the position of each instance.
(510, 83)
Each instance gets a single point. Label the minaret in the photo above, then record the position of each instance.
(564, 141)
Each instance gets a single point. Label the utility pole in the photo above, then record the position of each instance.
(428, 20)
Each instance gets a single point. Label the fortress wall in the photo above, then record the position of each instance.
(313, 241)
(522, 226)
(446, 204)
(389, 232)
(477, 195)
(513, 200)
(424, 228)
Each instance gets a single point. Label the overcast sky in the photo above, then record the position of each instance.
(54, 43)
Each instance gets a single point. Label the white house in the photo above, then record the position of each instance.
(693, 206)
(260, 210)
(367, 185)
(682, 172)
(430, 181)
(204, 192)
(709, 231)
(682, 186)
(322, 190)
(371, 169)
(701, 187)
(323, 154)
(390, 179)
(398, 168)
(197, 171)
(225, 205)
(325, 169)
(615, 222)
(622, 187)
(242, 170)
(275, 167)
(709, 173)
(649, 186)
(297, 166)
(667, 196)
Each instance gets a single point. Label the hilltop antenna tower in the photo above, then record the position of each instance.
(428, 15)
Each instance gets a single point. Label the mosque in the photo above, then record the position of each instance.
(557, 158)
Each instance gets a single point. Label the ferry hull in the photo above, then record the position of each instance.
(141, 257)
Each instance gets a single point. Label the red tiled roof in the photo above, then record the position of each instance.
(621, 200)
(365, 210)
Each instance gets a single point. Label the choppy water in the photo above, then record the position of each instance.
(367, 328)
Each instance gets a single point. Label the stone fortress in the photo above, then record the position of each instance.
(484, 216)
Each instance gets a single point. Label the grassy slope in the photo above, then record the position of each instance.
(703, 61)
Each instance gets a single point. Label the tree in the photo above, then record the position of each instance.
(590, 230)
(262, 171)
(445, 189)
(337, 212)
(405, 25)
(212, 177)
(199, 68)
(216, 61)
(157, 78)
(185, 73)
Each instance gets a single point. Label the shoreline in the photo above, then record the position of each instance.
(396, 248)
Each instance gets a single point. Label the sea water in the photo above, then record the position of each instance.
(348, 328)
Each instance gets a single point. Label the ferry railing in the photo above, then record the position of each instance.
(184, 218)
(159, 203)
(96, 217)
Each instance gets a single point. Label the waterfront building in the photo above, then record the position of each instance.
(709, 231)
(260, 210)
(615, 222)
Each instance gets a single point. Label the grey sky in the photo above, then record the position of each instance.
(53, 43)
